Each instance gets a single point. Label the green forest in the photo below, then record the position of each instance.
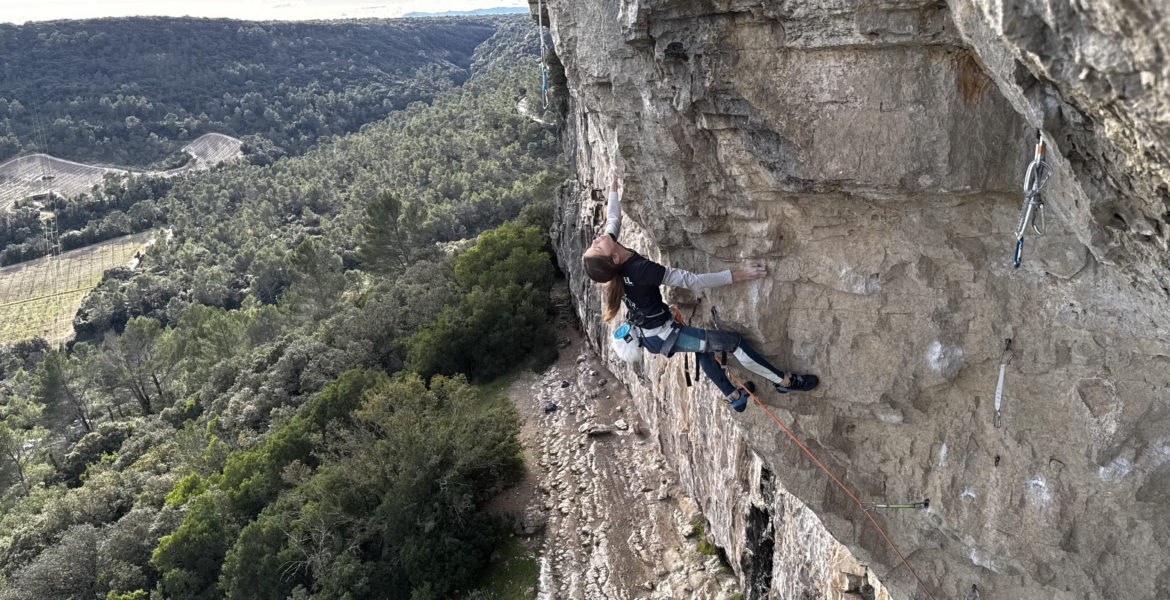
(286, 398)
(134, 91)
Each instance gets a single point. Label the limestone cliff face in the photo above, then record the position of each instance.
(1096, 77)
(872, 154)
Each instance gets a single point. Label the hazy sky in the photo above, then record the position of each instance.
(19, 11)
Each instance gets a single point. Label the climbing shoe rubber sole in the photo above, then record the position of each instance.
(740, 404)
(798, 383)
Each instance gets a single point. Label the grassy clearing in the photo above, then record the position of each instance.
(40, 297)
(496, 390)
(515, 568)
(512, 575)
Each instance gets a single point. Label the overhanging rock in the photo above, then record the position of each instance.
(871, 154)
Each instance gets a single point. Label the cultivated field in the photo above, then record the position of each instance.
(40, 297)
(212, 148)
(39, 174)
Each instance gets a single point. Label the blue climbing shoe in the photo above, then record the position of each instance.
(798, 383)
(739, 403)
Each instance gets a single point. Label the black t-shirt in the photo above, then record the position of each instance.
(642, 278)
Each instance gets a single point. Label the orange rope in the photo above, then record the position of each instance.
(834, 477)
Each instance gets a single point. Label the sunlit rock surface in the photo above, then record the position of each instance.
(871, 155)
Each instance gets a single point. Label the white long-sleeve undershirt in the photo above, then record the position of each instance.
(613, 215)
(673, 277)
(695, 281)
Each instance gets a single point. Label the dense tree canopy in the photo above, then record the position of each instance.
(237, 419)
(505, 281)
(444, 163)
(133, 91)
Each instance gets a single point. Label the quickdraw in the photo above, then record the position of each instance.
(923, 505)
(1004, 358)
(1033, 210)
(543, 52)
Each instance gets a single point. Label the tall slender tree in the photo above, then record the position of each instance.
(22, 437)
(62, 382)
(139, 361)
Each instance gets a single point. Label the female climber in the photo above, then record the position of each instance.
(634, 280)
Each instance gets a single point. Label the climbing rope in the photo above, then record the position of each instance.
(543, 52)
(1033, 210)
(861, 504)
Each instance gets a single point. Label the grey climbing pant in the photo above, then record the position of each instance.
(706, 342)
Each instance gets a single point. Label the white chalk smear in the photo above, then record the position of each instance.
(1038, 490)
(982, 561)
(1115, 470)
(942, 359)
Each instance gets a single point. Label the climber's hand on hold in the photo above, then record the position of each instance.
(613, 182)
(749, 271)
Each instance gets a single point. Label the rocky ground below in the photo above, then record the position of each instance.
(605, 517)
(599, 501)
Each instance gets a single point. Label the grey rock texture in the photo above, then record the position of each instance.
(871, 154)
(608, 534)
(1095, 77)
(616, 523)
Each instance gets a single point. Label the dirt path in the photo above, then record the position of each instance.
(615, 524)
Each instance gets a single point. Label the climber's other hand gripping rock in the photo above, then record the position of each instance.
(749, 271)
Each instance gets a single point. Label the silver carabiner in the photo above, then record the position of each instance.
(1032, 212)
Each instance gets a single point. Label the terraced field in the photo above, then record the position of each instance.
(40, 297)
(40, 174)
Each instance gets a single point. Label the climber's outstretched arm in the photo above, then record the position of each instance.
(613, 210)
(696, 282)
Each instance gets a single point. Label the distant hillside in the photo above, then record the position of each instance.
(503, 10)
(132, 91)
(118, 208)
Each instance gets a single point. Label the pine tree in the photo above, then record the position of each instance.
(62, 383)
(389, 234)
(22, 438)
